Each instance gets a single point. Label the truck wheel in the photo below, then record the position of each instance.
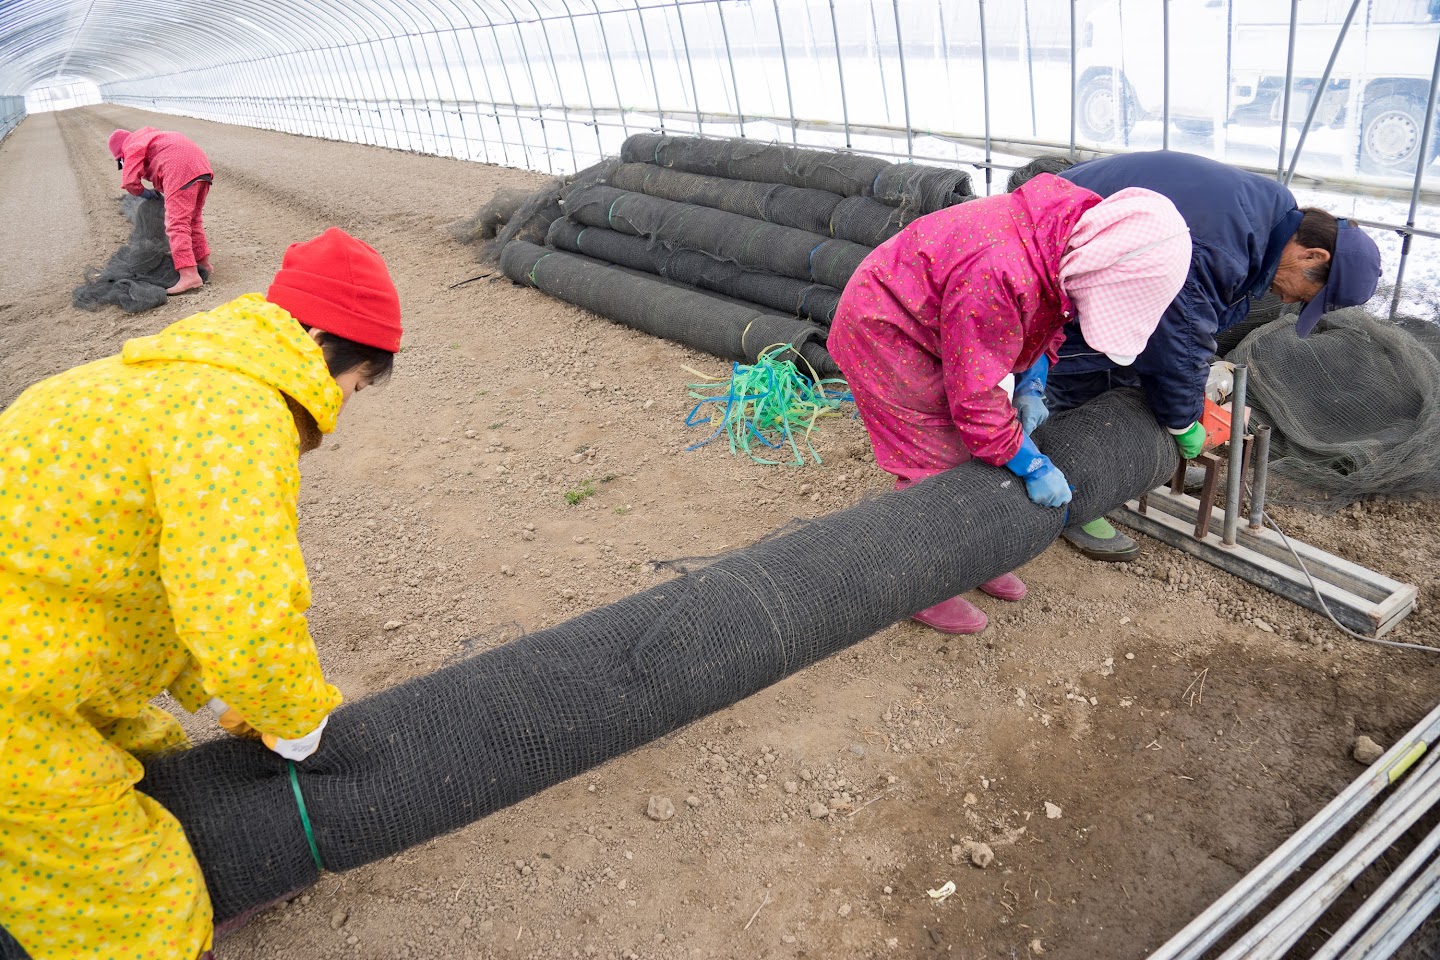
(1390, 134)
(1107, 109)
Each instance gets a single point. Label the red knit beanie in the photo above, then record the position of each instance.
(117, 143)
(340, 285)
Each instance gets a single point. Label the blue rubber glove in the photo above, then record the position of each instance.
(1031, 410)
(1190, 440)
(148, 194)
(1044, 482)
(1029, 401)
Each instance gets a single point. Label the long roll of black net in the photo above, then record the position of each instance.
(799, 207)
(918, 189)
(814, 301)
(751, 243)
(847, 174)
(727, 328)
(1355, 407)
(1053, 163)
(137, 275)
(441, 751)
(867, 221)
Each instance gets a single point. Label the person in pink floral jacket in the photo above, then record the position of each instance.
(180, 172)
(938, 316)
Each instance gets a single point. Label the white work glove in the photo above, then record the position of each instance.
(298, 749)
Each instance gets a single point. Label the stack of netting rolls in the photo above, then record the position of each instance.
(441, 751)
(775, 231)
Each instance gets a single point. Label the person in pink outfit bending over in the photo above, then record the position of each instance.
(180, 172)
(940, 314)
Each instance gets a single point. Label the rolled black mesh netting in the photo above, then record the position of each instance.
(1047, 164)
(813, 301)
(911, 186)
(137, 275)
(867, 221)
(780, 227)
(442, 751)
(726, 236)
(919, 189)
(799, 207)
(847, 174)
(1355, 407)
(727, 328)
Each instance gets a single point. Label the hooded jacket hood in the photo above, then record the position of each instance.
(254, 337)
(1126, 261)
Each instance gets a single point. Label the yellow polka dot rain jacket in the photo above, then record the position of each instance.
(147, 542)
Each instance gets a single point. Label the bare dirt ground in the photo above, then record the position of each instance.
(1179, 738)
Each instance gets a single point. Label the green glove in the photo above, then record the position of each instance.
(1190, 440)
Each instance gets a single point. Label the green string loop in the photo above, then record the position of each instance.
(768, 405)
(305, 817)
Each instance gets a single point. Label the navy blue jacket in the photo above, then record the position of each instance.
(1239, 222)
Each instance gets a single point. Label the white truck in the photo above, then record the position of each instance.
(1227, 66)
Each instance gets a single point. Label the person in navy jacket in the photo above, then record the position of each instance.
(1249, 237)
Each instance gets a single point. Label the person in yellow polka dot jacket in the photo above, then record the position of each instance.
(147, 543)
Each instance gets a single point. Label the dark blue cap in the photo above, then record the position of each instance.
(1354, 274)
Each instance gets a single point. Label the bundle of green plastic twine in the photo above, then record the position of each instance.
(768, 405)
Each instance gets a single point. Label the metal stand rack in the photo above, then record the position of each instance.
(1361, 599)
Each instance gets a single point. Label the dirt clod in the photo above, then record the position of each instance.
(1367, 751)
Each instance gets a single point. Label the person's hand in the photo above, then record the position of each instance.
(1044, 482)
(298, 749)
(1190, 440)
(231, 721)
(1047, 486)
(148, 194)
(1031, 409)
(236, 725)
(1029, 396)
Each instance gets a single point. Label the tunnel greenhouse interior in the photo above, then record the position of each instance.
(1091, 775)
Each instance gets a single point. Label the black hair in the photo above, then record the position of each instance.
(342, 356)
(1318, 229)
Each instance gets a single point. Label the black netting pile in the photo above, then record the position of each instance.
(138, 274)
(444, 750)
(764, 236)
(522, 214)
(1263, 310)
(1355, 407)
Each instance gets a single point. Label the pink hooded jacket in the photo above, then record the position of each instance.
(974, 287)
(168, 160)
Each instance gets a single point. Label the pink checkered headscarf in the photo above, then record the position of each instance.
(1126, 260)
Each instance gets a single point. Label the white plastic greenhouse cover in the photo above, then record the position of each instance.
(1330, 92)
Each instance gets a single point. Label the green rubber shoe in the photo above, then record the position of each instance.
(1098, 540)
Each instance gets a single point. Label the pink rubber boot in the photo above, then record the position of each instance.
(956, 615)
(1007, 586)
